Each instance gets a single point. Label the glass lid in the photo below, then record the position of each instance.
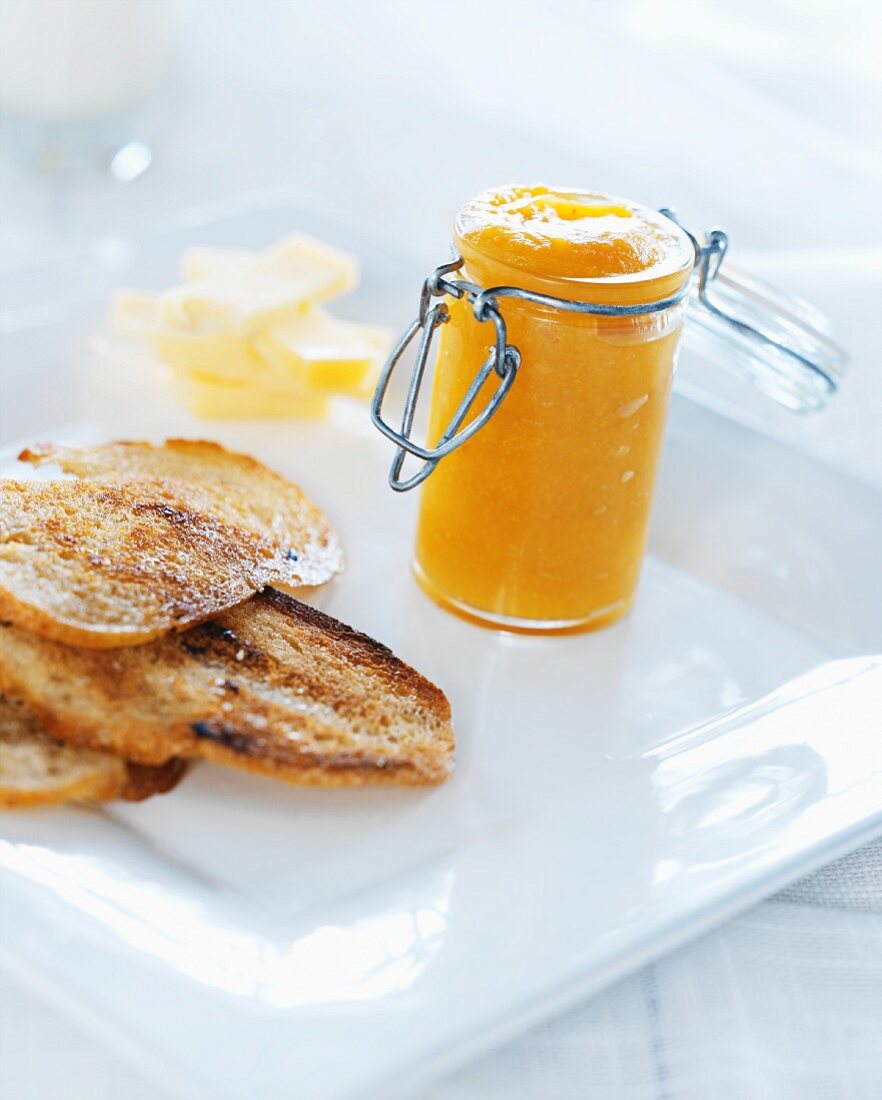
(781, 342)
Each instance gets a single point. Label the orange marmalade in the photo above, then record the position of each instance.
(539, 521)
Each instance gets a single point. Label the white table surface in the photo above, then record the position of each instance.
(765, 117)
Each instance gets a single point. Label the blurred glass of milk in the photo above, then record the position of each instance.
(81, 81)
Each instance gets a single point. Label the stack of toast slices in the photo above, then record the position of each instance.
(152, 613)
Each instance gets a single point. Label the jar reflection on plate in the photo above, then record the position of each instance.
(539, 521)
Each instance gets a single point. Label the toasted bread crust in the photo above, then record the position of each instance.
(35, 770)
(145, 780)
(235, 489)
(272, 686)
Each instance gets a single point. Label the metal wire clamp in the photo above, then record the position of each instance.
(504, 359)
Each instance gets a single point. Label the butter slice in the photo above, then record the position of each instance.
(212, 398)
(283, 281)
(205, 261)
(322, 352)
(228, 357)
(134, 312)
(288, 257)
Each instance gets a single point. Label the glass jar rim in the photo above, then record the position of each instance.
(642, 286)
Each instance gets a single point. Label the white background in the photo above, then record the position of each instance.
(762, 117)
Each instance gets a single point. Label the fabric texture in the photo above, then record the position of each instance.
(784, 1003)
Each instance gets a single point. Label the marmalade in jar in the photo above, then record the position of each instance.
(538, 522)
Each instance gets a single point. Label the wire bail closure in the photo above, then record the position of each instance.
(504, 359)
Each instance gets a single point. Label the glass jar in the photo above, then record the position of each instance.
(546, 426)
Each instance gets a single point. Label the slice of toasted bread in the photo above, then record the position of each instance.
(107, 565)
(233, 488)
(37, 771)
(272, 686)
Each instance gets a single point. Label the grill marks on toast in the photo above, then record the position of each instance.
(127, 631)
(302, 548)
(36, 770)
(271, 686)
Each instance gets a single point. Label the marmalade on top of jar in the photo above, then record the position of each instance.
(538, 522)
(571, 234)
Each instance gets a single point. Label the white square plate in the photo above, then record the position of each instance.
(615, 793)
